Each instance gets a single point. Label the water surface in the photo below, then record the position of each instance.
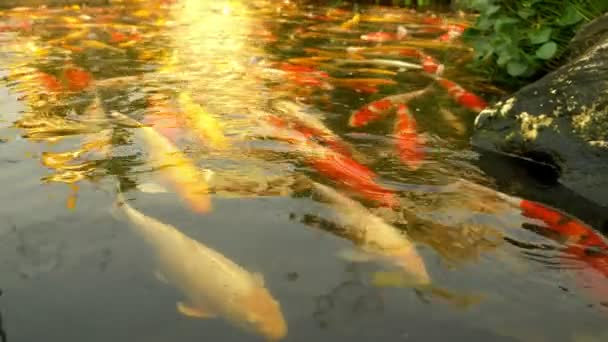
(72, 271)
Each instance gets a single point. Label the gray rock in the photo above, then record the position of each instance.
(561, 119)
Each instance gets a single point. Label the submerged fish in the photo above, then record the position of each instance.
(332, 163)
(378, 109)
(349, 24)
(207, 127)
(376, 237)
(410, 146)
(213, 284)
(95, 44)
(176, 167)
(382, 36)
(464, 97)
(77, 79)
(381, 62)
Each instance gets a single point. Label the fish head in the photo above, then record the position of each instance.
(263, 315)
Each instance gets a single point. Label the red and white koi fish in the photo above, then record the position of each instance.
(464, 97)
(338, 167)
(453, 31)
(410, 146)
(582, 242)
(382, 36)
(430, 64)
(298, 118)
(379, 109)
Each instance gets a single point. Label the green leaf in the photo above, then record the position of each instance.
(491, 9)
(526, 13)
(547, 50)
(570, 16)
(540, 36)
(503, 59)
(516, 68)
(483, 23)
(505, 24)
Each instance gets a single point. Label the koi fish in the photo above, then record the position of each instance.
(376, 71)
(311, 126)
(207, 127)
(349, 24)
(176, 167)
(453, 121)
(95, 44)
(214, 286)
(355, 82)
(454, 31)
(50, 82)
(77, 79)
(582, 242)
(409, 144)
(338, 167)
(380, 37)
(376, 237)
(381, 62)
(370, 112)
(310, 61)
(462, 96)
(70, 36)
(379, 108)
(430, 64)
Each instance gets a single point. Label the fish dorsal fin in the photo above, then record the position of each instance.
(258, 278)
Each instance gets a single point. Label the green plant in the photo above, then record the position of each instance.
(516, 40)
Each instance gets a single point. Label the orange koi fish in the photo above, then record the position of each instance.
(339, 167)
(380, 108)
(77, 79)
(462, 96)
(409, 144)
(349, 172)
(50, 82)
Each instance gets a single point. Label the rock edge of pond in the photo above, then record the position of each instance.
(560, 120)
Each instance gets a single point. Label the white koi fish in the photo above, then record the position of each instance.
(213, 284)
(375, 236)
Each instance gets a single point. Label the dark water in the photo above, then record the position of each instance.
(71, 271)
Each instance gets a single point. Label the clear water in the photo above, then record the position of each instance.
(71, 271)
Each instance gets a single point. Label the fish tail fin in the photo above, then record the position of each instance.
(116, 210)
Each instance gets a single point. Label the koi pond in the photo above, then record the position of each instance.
(257, 171)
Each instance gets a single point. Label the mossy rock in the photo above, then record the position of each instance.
(562, 119)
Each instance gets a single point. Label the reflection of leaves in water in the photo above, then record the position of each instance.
(349, 300)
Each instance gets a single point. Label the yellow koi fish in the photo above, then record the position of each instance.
(204, 124)
(189, 182)
(95, 44)
(375, 236)
(352, 22)
(212, 284)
